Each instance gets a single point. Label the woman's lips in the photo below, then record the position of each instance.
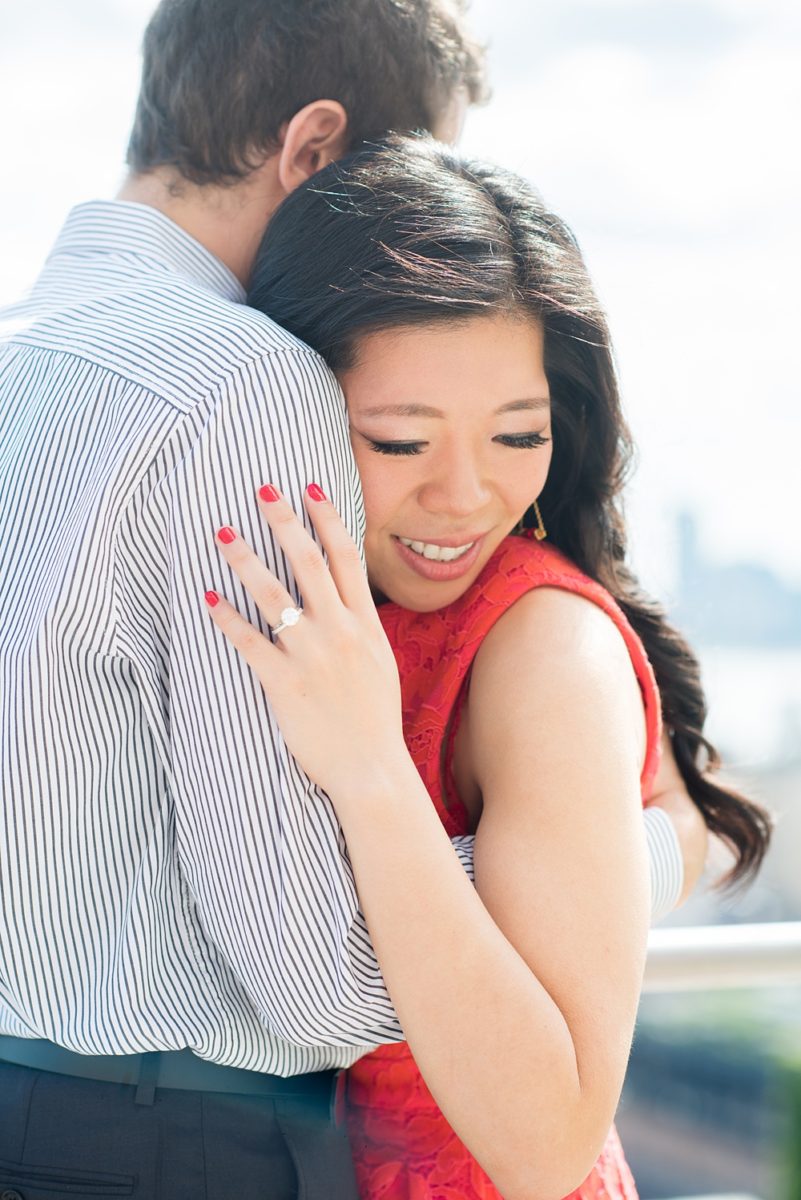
(441, 572)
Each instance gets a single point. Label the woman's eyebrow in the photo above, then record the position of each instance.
(402, 410)
(425, 410)
(535, 402)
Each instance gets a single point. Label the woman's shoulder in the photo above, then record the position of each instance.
(556, 662)
(561, 600)
(566, 634)
(562, 604)
(521, 566)
(556, 623)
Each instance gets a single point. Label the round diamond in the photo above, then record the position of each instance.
(290, 616)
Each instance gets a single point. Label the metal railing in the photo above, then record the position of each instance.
(692, 958)
(689, 958)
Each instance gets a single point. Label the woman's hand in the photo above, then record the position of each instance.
(331, 679)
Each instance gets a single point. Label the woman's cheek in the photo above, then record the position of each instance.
(528, 483)
(384, 492)
(543, 466)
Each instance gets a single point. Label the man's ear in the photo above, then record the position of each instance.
(316, 135)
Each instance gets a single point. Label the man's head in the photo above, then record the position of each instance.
(223, 79)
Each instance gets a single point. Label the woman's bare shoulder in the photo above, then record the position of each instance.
(551, 624)
(554, 666)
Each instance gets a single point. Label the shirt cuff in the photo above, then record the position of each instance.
(665, 860)
(464, 847)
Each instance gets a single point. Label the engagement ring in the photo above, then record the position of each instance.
(288, 618)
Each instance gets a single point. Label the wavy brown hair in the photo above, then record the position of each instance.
(405, 232)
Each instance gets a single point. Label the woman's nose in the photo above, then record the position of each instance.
(458, 489)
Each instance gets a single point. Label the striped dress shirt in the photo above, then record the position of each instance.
(170, 878)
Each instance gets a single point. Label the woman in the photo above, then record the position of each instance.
(476, 365)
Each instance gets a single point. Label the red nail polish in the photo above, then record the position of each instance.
(316, 492)
(212, 598)
(269, 494)
(226, 535)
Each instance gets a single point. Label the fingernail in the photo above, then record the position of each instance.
(212, 598)
(226, 535)
(315, 492)
(269, 493)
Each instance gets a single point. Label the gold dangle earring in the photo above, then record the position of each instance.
(540, 532)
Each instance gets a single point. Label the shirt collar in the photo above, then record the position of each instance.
(137, 231)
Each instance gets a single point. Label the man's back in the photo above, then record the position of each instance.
(164, 868)
(170, 878)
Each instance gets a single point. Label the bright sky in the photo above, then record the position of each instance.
(664, 130)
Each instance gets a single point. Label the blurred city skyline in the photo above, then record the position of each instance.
(661, 129)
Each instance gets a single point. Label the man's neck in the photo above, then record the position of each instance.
(228, 221)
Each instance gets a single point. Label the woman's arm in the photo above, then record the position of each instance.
(557, 733)
(535, 1016)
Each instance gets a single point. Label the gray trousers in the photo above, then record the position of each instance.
(65, 1137)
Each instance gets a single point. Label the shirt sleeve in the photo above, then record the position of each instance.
(665, 861)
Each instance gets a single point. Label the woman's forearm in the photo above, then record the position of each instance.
(492, 1045)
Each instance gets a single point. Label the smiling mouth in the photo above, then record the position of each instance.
(436, 553)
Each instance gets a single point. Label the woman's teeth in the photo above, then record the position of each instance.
(437, 553)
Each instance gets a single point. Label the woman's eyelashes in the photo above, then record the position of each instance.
(522, 441)
(395, 447)
(517, 441)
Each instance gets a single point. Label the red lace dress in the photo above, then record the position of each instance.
(403, 1147)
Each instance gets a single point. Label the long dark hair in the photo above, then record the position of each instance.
(405, 232)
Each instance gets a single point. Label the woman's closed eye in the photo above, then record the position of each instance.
(517, 441)
(395, 447)
(522, 441)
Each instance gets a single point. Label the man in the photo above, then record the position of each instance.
(184, 966)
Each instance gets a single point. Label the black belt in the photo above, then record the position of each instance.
(172, 1069)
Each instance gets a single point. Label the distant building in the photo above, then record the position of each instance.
(742, 604)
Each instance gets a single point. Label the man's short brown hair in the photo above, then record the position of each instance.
(221, 77)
